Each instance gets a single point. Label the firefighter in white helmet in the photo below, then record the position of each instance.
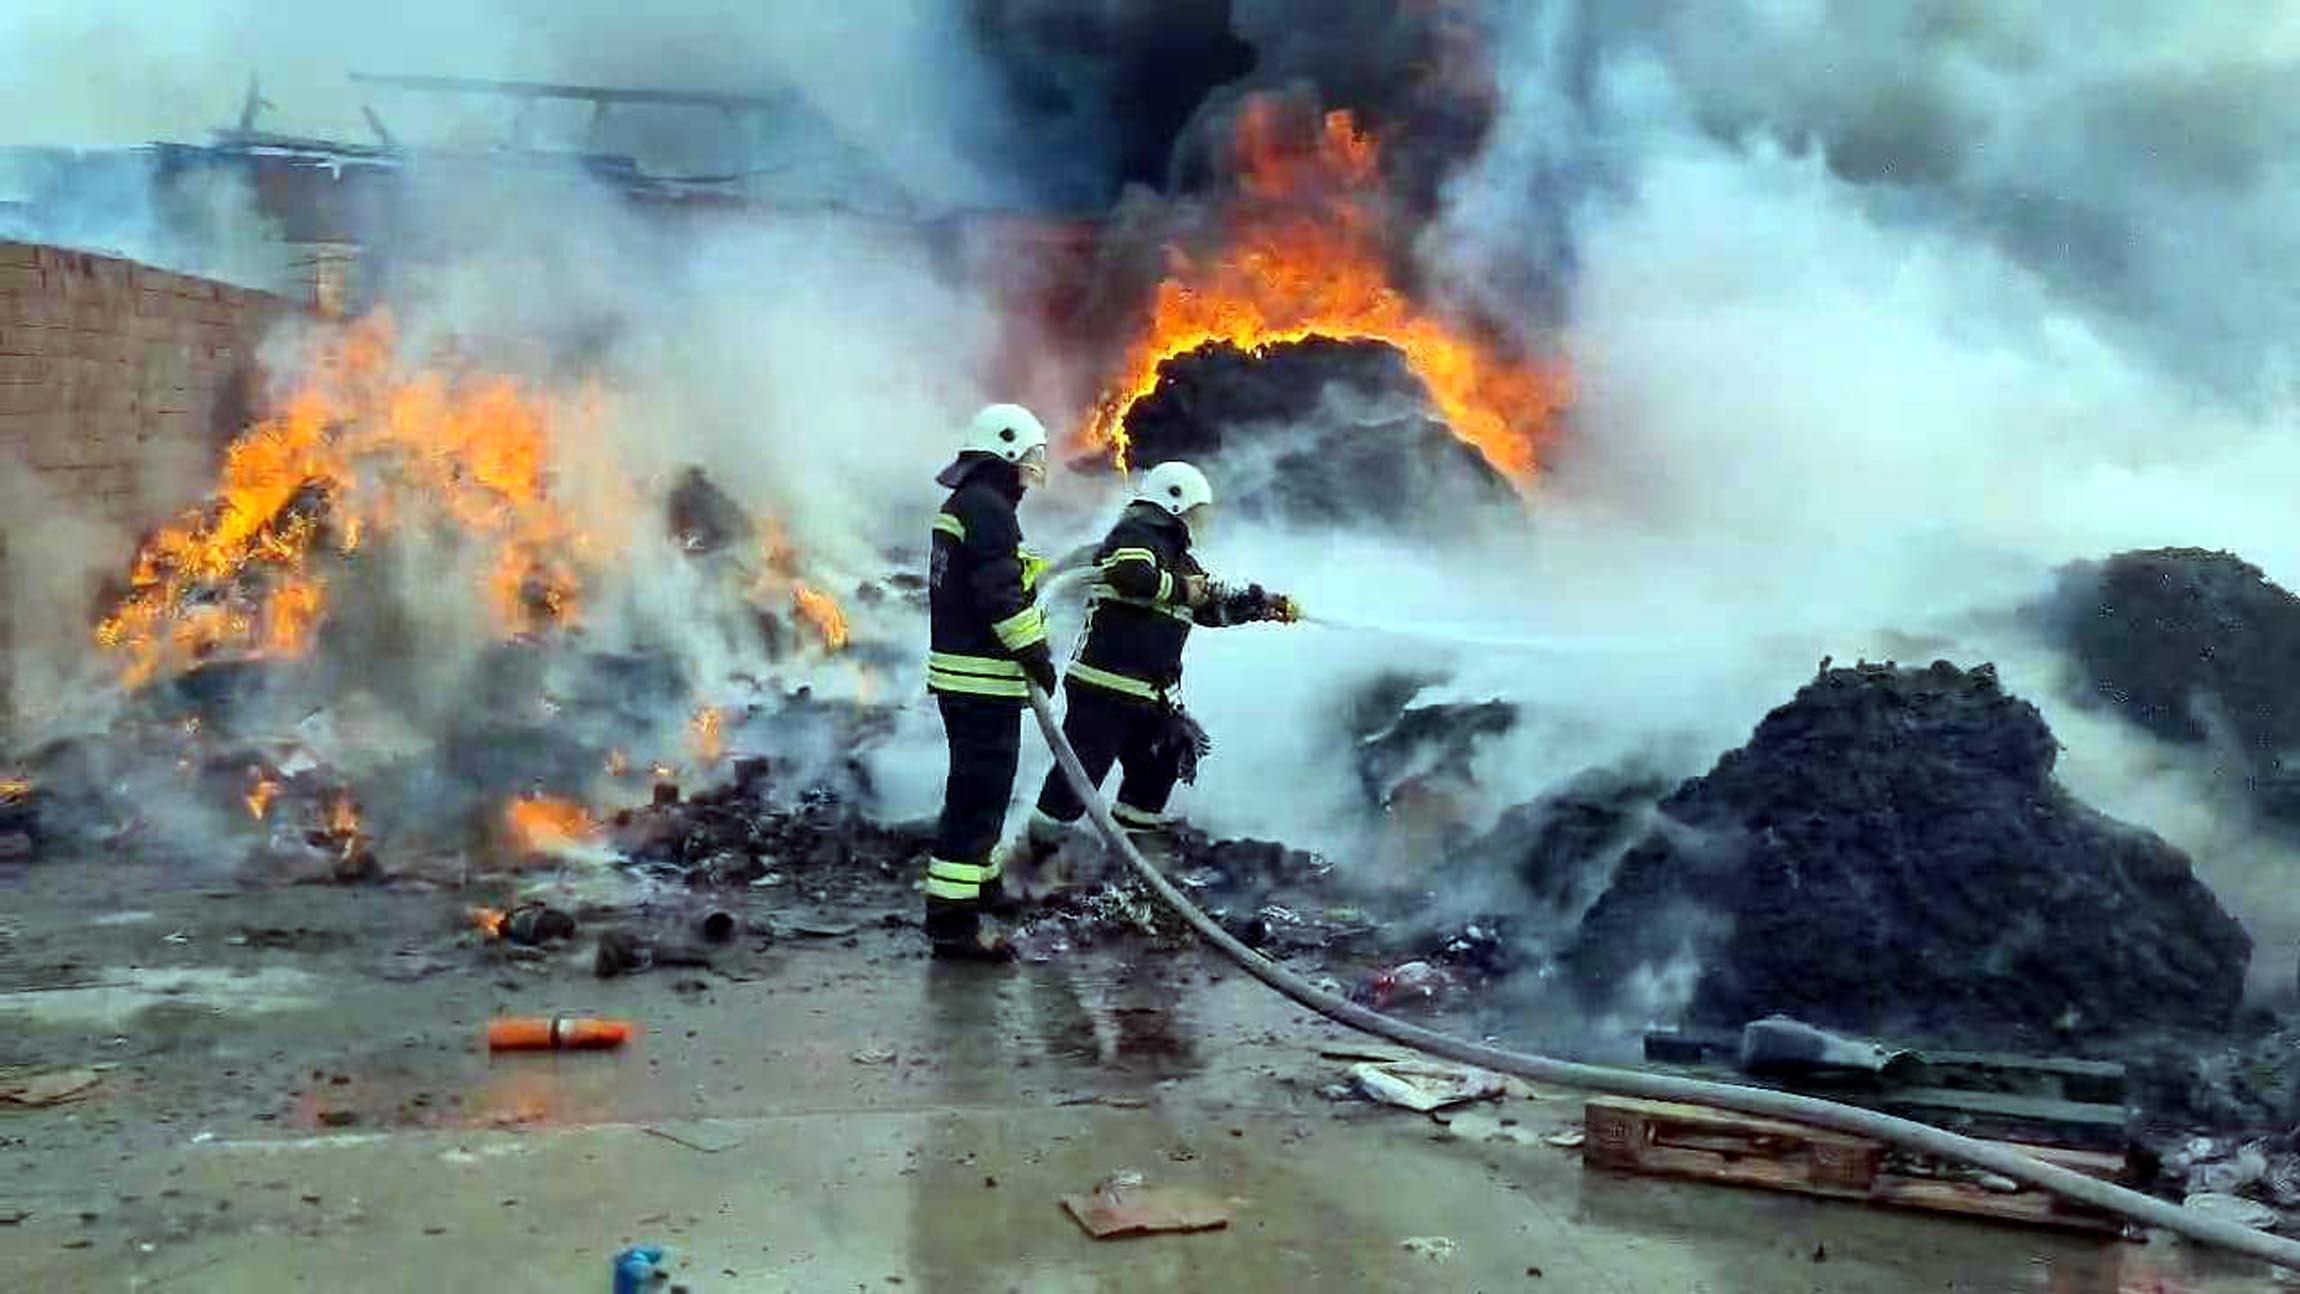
(988, 641)
(1120, 688)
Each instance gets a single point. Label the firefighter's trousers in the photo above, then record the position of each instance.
(1104, 728)
(985, 738)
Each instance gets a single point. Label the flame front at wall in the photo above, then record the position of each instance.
(1305, 251)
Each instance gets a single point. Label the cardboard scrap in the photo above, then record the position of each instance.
(1123, 1206)
(48, 1087)
(1424, 1085)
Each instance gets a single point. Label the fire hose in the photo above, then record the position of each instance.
(1993, 1157)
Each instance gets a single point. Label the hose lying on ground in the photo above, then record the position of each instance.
(1996, 1158)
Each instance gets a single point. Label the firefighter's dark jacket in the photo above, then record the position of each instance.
(1139, 616)
(986, 624)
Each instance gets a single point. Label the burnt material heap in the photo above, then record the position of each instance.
(2198, 648)
(1316, 432)
(1890, 853)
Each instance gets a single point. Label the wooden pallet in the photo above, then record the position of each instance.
(1665, 1139)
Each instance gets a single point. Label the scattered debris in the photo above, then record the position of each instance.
(1672, 1139)
(874, 1056)
(48, 1087)
(1412, 984)
(1780, 1045)
(2230, 1176)
(717, 925)
(556, 1033)
(1121, 1205)
(620, 953)
(1424, 1085)
(2232, 1208)
(1438, 1249)
(1566, 1139)
(538, 924)
(637, 1268)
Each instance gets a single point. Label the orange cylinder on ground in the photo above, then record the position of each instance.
(555, 1033)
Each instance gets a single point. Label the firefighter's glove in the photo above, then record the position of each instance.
(1038, 665)
(1283, 609)
(1195, 590)
(1180, 743)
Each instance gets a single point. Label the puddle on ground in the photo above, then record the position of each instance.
(121, 993)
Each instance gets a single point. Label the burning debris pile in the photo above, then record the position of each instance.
(1890, 854)
(1307, 246)
(361, 448)
(2199, 649)
(403, 627)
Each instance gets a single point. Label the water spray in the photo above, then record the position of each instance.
(1457, 636)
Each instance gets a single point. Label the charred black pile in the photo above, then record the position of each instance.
(2199, 648)
(1890, 853)
(738, 834)
(1316, 432)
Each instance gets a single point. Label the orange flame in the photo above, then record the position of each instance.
(822, 614)
(1305, 257)
(541, 823)
(261, 791)
(343, 815)
(360, 447)
(490, 921)
(14, 789)
(706, 736)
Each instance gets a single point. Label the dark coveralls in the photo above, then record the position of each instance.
(987, 636)
(1129, 661)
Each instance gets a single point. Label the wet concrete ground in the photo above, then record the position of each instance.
(278, 1112)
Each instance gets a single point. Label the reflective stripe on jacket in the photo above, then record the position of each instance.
(981, 589)
(1138, 615)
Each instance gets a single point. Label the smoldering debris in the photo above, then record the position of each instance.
(1413, 742)
(737, 835)
(1320, 432)
(1890, 854)
(2198, 649)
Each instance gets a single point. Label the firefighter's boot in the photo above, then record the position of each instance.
(956, 930)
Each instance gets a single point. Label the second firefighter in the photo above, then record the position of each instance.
(1149, 591)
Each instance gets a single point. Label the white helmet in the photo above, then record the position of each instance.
(1007, 432)
(1177, 487)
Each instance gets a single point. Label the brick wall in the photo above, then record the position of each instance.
(107, 369)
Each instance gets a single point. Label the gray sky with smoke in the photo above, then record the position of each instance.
(897, 79)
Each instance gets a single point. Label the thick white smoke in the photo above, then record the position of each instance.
(1875, 320)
